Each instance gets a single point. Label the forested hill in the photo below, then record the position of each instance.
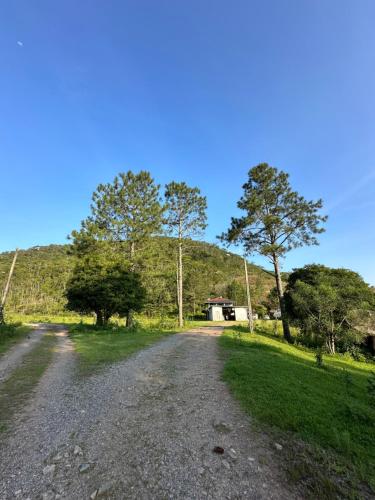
(41, 274)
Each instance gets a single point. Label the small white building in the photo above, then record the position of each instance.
(221, 309)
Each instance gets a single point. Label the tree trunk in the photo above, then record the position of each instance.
(280, 294)
(99, 318)
(180, 286)
(129, 319)
(249, 308)
(331, 344)
(129, 316)
(107, 316)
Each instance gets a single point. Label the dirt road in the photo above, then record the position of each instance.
(144, 428)
(11, 359)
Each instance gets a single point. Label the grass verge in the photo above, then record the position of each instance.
(98, 347)
(18, 388)
(66, 319)
(11, 334)
(328, 408)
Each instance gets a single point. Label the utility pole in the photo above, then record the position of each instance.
(6, 289)
(249, 308)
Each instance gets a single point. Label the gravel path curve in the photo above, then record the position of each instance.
(12, 358)
(143, 428)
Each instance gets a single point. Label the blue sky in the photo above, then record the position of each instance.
(198, 91)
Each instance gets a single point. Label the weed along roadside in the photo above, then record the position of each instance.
(11, 334)
(329, 408)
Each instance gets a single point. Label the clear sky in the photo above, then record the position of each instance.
(192, 90)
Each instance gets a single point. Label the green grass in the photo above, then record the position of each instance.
(18, 388)
(166, 322)
(99, 347)
(72, 319)
(66, 319)
(10, 335)
(281, 385)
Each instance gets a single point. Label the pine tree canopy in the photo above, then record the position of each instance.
(277, 219)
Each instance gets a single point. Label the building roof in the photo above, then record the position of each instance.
(218, 300)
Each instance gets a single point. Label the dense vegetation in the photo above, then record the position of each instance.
(41, 275)
(333, 308)
(330, 407)
(39, 280)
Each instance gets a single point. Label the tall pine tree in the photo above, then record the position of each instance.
(185, 218)
(276, 220)
(128, 212)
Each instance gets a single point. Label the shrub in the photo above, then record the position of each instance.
(9, 330)
(356, 353)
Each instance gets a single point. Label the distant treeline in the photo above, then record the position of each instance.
(41, 275)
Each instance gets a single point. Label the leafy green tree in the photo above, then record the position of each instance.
(329, 302)
(104, 288)
(185, 218)
(127, 211)
(237, 292)
(272, 301)
(276, 220)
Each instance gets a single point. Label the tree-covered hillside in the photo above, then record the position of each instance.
(41, 274)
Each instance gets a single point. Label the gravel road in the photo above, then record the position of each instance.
(144, 428)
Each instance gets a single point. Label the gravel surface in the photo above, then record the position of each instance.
(12, 358)
(144, 428)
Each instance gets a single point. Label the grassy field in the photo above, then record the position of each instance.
(329, 408)
(164, 322)
(144, 321)
(99, 347)
(65, 319)
(70, 319)
(17, 389)
(10, 335)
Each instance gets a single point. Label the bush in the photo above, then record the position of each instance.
(356, 353)
(9, 330)
(308, 338)
(166, 323)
